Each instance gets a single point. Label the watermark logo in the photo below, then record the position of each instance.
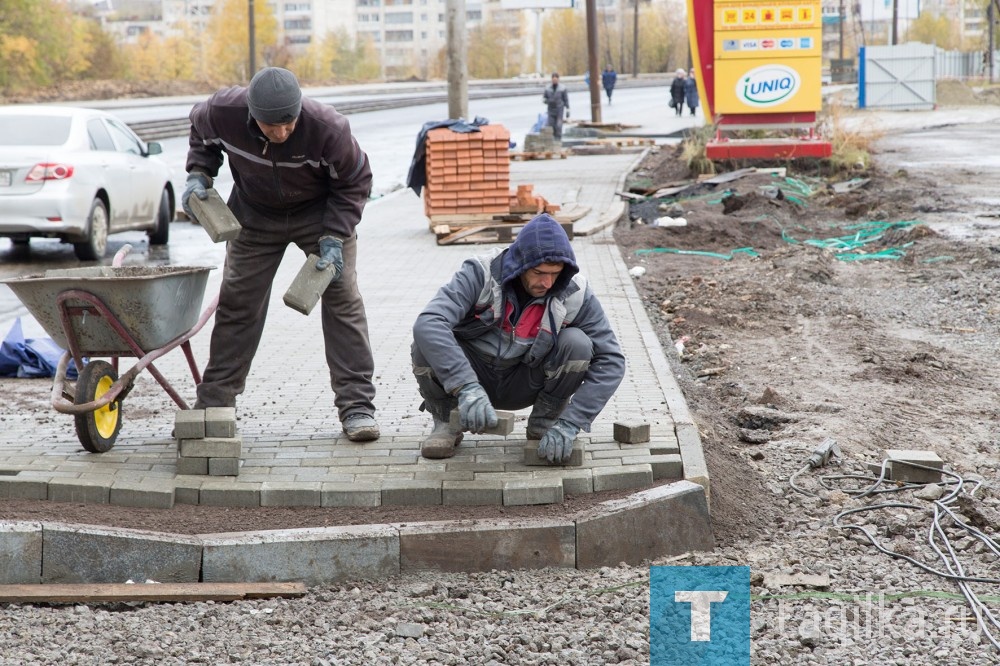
(699, 616)
(768, 85)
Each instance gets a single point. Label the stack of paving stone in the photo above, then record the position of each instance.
(542, 142)
(207, 442)
(468, 173)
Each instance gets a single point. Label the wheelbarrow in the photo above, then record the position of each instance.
(114, 311)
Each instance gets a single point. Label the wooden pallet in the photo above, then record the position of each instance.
(498, 232)
(621, 141)
(541, 155)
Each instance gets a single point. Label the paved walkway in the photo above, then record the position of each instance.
(293, 450)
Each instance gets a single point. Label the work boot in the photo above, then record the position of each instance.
(361, 427)
(443, 439)
(544, 414)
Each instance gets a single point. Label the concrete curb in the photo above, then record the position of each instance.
(658, 522)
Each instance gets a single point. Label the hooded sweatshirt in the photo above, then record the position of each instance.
(480, 307)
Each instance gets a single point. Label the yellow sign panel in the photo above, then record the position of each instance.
(768, 85)
(776, 44)
(743, 15)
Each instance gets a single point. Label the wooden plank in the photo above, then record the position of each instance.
(164, 592)
(466, 218)
(540, 155)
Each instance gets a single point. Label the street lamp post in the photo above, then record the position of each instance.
(253, 46)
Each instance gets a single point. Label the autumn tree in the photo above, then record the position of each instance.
(564, 42)
(227, 38)
(937, 29)
(493, 52)
(663, 39)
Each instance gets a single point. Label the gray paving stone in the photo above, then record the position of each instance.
(622, 477)
(291, 494)
(148, 494)
(486, 545)
(631, 432)
(13, 487)
(187, 491)
(20, 553)
(211, 447)
(410, 493)
(471, 493)
(351, 494)
(315, 556)
(189, 424)
(223, 466)
(192, 466)
(229, 493)
(575, 481)
(83, 554)
(531, 457)
(87, 491)
(532, 491)
(620, 530)
(220, 422)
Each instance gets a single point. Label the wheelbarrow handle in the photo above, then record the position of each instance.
(64, 406)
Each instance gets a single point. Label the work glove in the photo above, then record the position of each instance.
(331, 252)
(556, 444)
(197, 184)
(567, 114)
(475, 411)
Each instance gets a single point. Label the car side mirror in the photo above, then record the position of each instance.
(154, 148)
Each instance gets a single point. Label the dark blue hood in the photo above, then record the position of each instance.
(541, 241)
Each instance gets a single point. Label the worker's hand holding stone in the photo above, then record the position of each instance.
(475, 411)
(331, 253)
(556, 444)
(197, 184)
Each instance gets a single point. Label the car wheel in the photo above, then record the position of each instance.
(96, 244)
(160, 234)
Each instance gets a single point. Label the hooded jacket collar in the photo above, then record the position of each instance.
(541, 241)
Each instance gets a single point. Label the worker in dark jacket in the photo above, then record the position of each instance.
(556, 99)
(677, 92)
(299, 177)
(515, 328)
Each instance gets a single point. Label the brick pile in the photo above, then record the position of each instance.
(207, 442)
(467, 173)
(526, 201)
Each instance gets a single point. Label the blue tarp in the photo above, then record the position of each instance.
(32, 357)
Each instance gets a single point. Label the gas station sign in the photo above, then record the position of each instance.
(768, 56)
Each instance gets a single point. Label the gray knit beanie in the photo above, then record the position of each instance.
(274, 96)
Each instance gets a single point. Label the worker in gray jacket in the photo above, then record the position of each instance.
(299, 177)
(515, 328)
(556, 98)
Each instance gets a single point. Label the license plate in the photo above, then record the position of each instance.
(6, 178)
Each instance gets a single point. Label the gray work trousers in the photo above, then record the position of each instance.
(556, 121)
(251, 263)
(516, 386)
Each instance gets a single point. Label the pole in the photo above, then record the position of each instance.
(895, 20)
(841, 52)
(538, 42)
(253, 45)
(458, 76)
(635, 40)
(621, 36)
(595, 74)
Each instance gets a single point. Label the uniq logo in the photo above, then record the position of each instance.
(768, 85)
(699, 616)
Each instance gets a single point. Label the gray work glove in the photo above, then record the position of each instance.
(197, 184)
(475, 411)
(556, 444)
(567, 113)
(331, 252)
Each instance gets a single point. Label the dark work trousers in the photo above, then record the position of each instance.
(251, 263)
(556, 121)
(517, 386)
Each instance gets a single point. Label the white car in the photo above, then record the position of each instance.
(79, 174)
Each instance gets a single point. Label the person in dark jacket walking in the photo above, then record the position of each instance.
(515, 328)
(299, 177)
(677, 92)
(608, 79)
(556, 98)
(691, 91)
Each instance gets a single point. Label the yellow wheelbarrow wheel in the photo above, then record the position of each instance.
(98, 429)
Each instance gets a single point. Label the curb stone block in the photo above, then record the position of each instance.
(533, 491)
(149, 494)
(20, 553)
(659, 522)
(695, 467)
(315, 556)
(189, 424)
(290, 494)
(79, 490)
(472, 493)
(350, 494)
(486, 545)
(83, 554)
(622, 477)
(15, 488)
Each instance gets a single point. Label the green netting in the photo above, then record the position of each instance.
(700, 253)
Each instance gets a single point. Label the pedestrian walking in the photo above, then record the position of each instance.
(557, 99)
(677, 92)
(299, 177)
(608, 79)
(691, 91)
(515, 328)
